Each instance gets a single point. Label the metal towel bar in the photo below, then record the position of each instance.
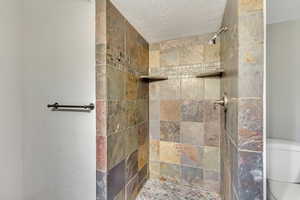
(56, 106)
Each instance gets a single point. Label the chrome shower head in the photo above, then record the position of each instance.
(213, 40)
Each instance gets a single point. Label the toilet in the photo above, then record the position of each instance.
(283, 169)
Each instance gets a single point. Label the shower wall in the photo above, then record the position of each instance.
(184, 126)
(242, 58)
(122, 106)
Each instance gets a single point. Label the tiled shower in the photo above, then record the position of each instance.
(169, 130)
(184, 125)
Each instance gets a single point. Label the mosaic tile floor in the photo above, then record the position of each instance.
(157, 190)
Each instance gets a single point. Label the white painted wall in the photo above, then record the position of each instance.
(283, 65)
(10, 100)
(59, 147)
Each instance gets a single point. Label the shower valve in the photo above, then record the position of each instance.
(223, 102)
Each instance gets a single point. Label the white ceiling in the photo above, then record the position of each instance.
(282, 10)
(159, 20)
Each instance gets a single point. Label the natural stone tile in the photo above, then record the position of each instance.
(166, 190)
(212, 133)
(101, 112)
(100, 54)
(169, 89)
(192, 111)
(212, 88)
(192, 133)
(117, 116)
(101, 153)
(250, 175)
(154, 46)
(131, 87)
(101, 184)
(115, 32)
(131, 109)
(170, 131)
(211, 159)
(131, 140)
(192, 89)
(101, 82)
(115, 149)
(143, 133)
(169, 57)
(142, 111)
(116, 180)
(192, 176)
(154, 129)
(251, 73)
(170, 172)
(211, 112)
(154, 108)
(170, 152)
(154, 58)
(121, 195)
(251, 28)
(143, 175)
(131, 166)
(115, 84)
(101, 22)
(154, 170)
(170, 110)
(250, 5)
(251, 125)
(154, 150)
(143, 155)
(212, 53)
(154, 93)
(143, 90)
(211, 180)
(132, 188)
(192, 155)
(191, 54)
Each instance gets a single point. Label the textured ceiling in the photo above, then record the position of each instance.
(159, 20)
(282, 10)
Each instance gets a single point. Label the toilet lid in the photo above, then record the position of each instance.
(284, 191)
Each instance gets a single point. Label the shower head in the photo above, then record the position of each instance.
(213, 40)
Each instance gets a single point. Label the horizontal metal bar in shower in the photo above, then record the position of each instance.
(85, 107)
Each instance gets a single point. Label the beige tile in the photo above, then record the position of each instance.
(212, 53)
(169, 89)
(192, 89)
(170, 152)
(212, 88)
(143, 155)
(192, 54)
(251, 5)
(131, 87)
(154, 110)
(154, 59)
(192, 133)
(169, 57)
(211, 159)
(154, 150)
(170, 110)
(154, 170)
(170, 172)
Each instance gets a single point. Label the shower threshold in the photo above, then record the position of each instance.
(161, 190)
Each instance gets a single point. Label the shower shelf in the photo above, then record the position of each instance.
(153, 78)
(218, 72)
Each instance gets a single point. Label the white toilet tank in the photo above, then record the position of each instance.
(283, 160)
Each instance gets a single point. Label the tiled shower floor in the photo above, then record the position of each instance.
(157, 190)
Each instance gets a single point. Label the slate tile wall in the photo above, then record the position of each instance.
(184, 126)
(122, 106)
(242, 141)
